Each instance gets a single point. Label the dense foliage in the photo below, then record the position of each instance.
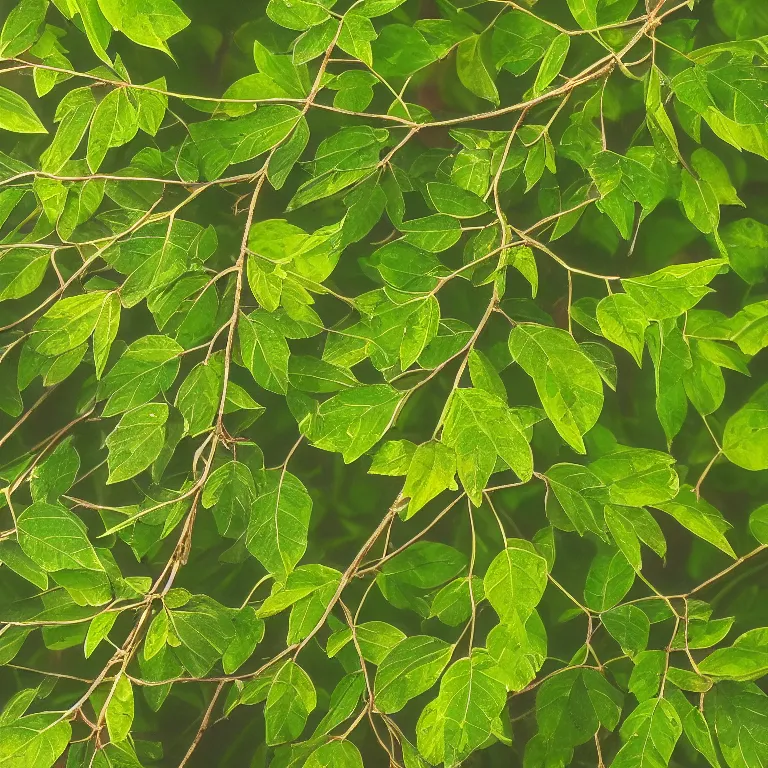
(382, 383)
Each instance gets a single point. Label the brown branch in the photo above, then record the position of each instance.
(203, 725)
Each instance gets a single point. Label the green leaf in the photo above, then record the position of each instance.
(299, 15)
(265, 351)
(223, 142)
(744, 437)
(10, 396)
(519, 650)
(366, 223)
(700, 203)
(116, 754)
(712, 170)
(746, 659)
(659, 125)
(647, 674)
(749, 328)
(704, 381)
(472, 170)
(249, 632)
(702, 633)
(406, 268)
(375, 638)
(742, 19)
(152, 106)
(688, 681)
(671, 357)
(566, 380)
(335, 754)
(230, 492)
(758, 523)
(21, 27)
(520, 40)
(474, 69)
(552, 63)
(745, 241)
(149, 366)
(11, 642)
(699, 517)
(115, 122)
(119, 714)
(105, 332)
(81, 203)
(422, 327)
(155, 256)
(637, 477)
(434, 233)
(355, 37)
(455, 602)
(326, 185)
(695, 728)
(393, 458)
(423, 565)
(199, 396)
(628, 626)
(343, 702)
(35, 740)
(480, 427)
(572, 705)
(585, 12)
(355, 90)
(52, 195)
(301, 583)
(484, 376)
(12, 556)
(624, 535)
(455, 201)
(146, 22)
(54, 476)
(68, 324)
(16, 115)
(463, 715)
(239, 400)
(629, 526)
(56, 539)
(650, 734)
(412, 667)
(609, 579)
(22, 271)
(673, 290)
(136, 441)
(281, 70)
(431, 471)
(291, 699)
(623, 321)
(523, 260)
(97, 28)
(373, 8)
(286, 155)
(279, 520)
(738, 713)
(580, 493)
(401, 50)
(205, 629)
(266, 285)
(17, 705)
(157, 634)
(353, 421)
(515, 580)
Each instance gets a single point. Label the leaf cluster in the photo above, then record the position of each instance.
(382, 382)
